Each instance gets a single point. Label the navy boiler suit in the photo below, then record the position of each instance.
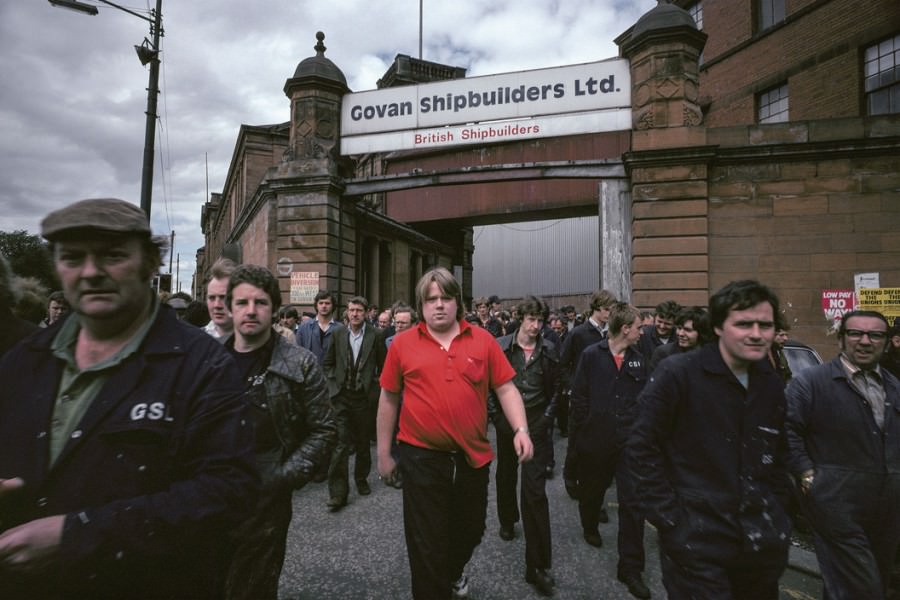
(603, 403)
(709, 461)
(854, 502)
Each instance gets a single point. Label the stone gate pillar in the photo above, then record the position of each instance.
(668, 161)
(313, 231)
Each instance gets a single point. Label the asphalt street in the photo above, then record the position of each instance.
(359, 553)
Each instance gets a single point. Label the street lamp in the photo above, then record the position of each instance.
(148, 52)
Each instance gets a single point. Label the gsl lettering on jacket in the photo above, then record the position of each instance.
(153, 411)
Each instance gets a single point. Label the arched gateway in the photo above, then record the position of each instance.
(361, 193)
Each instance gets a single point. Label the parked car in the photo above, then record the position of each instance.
(800, 356)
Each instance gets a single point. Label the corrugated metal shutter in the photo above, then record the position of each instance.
(555, 257)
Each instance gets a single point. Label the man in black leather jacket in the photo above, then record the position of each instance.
(288, 396)
(536, 362)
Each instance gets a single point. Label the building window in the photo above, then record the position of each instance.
(773, 105)
(696, 12)
(771, 12)
(882, 68)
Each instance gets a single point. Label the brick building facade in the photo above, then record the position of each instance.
(721, 177)
(816, 48)
(801, 204)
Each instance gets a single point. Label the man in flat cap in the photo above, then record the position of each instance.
(126, 452)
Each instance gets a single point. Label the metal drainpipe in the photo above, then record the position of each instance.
(340, 250)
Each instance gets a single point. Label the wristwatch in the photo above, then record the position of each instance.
(520, 430)
(806, 480)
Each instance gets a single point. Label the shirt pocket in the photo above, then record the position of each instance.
(475, 369)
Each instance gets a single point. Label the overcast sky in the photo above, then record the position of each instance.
(73, 93)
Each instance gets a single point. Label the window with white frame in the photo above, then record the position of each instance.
(882, 76)
(696, 12)
(772, 105)
(769, 13)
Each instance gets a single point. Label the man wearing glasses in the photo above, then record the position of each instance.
(843, 430)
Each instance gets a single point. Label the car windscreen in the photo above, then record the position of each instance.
(800, 358)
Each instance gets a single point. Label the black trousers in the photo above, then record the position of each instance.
(351, 417)
(444, 509)
(856, 559)
(535, 507)
(596, 475)
(562, 413)
(570, 466)
(259, 548)
(731, 576)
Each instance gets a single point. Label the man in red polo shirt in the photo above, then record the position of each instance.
(444, 369)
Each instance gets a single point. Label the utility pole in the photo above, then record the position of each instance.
(147, 53)
(171, 249)
(150, 130)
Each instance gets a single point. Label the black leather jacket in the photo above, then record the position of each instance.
(297, 395)
(552, 381)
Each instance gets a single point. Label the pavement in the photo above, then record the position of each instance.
(359, 552)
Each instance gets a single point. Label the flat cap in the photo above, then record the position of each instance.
(98, 214)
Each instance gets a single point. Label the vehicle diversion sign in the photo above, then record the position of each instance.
(575, 99)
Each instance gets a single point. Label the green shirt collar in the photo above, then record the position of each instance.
(63, 345)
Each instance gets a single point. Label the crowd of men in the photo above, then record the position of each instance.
(151, 446)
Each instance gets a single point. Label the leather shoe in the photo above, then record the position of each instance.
(541, 579)
(635, 585)
(603, 516)
(336, 504)
(363, 488)
(507, 532)
(594, 539)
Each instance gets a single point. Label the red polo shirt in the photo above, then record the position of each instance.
(445, 392)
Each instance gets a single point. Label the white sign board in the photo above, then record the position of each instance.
(863, 281)
(304, 287)
(568, 100)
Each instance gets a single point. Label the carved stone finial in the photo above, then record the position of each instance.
(320, 47)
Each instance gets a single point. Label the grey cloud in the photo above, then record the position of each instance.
(73, 100)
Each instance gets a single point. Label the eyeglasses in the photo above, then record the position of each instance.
(857, 334)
